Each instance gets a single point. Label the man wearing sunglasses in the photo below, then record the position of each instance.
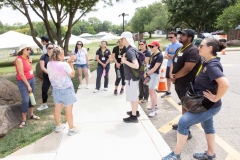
(185, 65)
(170, 51)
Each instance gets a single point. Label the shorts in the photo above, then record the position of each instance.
(81, 65)
(64, 96)
(167, 72)
(152, 84)
(131, 90)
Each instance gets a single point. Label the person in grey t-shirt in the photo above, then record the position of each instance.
(130, 61)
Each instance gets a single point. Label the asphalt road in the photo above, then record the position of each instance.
(227, 121)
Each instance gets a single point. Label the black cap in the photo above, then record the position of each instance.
(45, 38)
(189, 32)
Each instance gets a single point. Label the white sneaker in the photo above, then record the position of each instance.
(150, 107)
(73, 131)
(95, 90)
(60, 128)
(152, 113)
(105, 89)
(42, 107)
(80, 86)
(87, 87)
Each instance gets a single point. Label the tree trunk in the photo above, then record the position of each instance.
(150, 34)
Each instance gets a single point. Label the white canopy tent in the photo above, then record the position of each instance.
(12, 40)
(73, 40)
(101, 34)
(109, 36)
(86, 35)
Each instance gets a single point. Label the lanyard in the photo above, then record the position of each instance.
(103, 52)
(152, 57)
(200, 68)
(120, 51)
(27, 60)
(181, 49)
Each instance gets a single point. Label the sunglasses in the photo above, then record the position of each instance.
(50, 48)
(141, 44)
(28, 49)
(152, 46)
(79, 44)
(170, 37)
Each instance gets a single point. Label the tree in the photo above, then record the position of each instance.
(95, 23)
(230, 18)
(56, 10)
(196, 14)
(106, 25)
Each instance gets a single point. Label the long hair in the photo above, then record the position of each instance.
(55, 54)
(76, 48)
(144, 41)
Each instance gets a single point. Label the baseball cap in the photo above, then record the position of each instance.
(22, 46)
(154, 43)
(45, 38)
(189, 32)
(129, 38)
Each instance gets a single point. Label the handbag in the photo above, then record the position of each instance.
(194, 102)
(146, 80)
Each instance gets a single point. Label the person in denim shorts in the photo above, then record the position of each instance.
(210, 76)
(25, 81)
(82, 62)
(60, 74)
(155, 63)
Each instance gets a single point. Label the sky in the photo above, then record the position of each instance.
(110, 13)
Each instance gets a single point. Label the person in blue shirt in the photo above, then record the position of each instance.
(170, 51)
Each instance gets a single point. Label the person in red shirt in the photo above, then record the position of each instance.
(25, 81)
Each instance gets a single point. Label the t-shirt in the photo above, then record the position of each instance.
(103, 56)
(158, 58)
(44, 49)
(81, 56)
(171, 49)
(130, 55)
(147, 53)
(46, 59)
(58, 73)
(210, 71)
(190, 54)
(118, 53)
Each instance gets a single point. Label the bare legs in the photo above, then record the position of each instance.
(169, 85)
(85, 71)
(68, 114)
(153, 97)
(134, 108)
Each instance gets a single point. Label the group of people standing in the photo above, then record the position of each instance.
(184, 65)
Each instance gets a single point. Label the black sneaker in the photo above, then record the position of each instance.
(115, 92)
(175, 126)
(130, 113)
(121, 91)
(189, 136)
(131, 119)
(166, 94)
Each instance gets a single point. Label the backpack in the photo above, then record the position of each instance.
(139, 73)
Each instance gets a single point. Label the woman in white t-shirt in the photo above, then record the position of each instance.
(82, 62)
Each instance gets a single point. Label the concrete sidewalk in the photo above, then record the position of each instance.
(104, 135)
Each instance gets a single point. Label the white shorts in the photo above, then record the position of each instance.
(131, 90)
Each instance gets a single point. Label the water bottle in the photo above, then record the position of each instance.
(32, 98)
(104, 72)
(118, 73)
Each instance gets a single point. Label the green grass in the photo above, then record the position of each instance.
(34, 130)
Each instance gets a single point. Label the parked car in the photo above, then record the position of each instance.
(206, 35)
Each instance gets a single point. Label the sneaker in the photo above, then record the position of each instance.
(153, 113)
(87, 87)
(144, 101)
(59, 128)
(42, 107)
(121, 91)
(203, 156)
(73, 131)
(80, 86)
(105, 89)
(130, 113)
(131, 119)
(95, 90)
(172, 156)
(175, 126)
(166, 94)
(189, 136)
(150, 107)
(115, 92)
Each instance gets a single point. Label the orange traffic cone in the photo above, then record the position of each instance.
(223, 52)
(162, 83)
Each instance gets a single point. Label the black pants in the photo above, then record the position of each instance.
(181, 89)
(99, 76)
(122, 76)
(45, 87)
(143, 90)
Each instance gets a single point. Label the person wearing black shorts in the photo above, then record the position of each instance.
(185, 65)
(117, 54)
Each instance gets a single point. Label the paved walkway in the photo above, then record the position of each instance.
(104, 136)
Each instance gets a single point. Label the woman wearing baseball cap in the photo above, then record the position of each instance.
(25, 81)
(155, 63)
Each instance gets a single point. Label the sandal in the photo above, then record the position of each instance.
(203, 156)
(34, 117)
(22, 124)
